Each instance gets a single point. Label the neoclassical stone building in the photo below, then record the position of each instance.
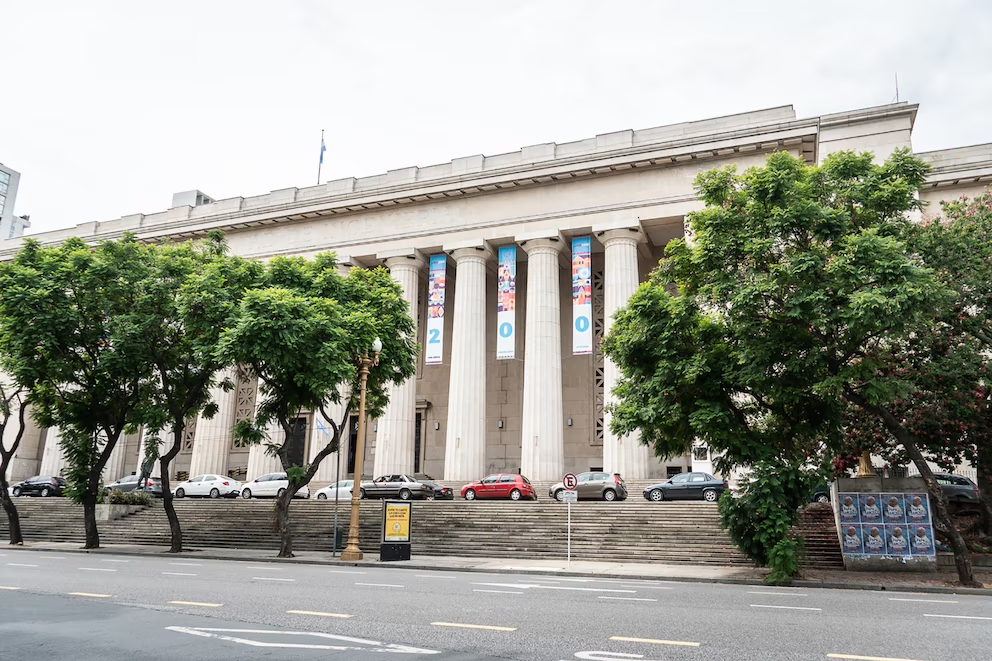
(513, 266)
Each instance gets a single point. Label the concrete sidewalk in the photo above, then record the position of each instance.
(938, 582)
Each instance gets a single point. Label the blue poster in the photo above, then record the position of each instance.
(870, 508)
(851, 539)
(917, 508)
(921, 541)
(874, 539)
(581, 295)
(893, 508)
(849, 508)
(506, 303)
(896, 539)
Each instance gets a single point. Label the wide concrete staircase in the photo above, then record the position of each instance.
(634, 531)
(819, 532)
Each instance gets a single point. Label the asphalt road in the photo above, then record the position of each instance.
(100, 606)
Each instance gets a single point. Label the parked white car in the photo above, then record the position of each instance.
(213, 486)
(271, 485)
(342, 490)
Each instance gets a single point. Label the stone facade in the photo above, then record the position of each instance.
(541, 412)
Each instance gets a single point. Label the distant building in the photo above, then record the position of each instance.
(11, 226)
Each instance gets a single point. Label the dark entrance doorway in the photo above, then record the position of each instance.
(297, 443)
(416, 444)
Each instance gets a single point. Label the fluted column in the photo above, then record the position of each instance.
(52, 457)
(114, 470)
(394, 445)
(465, 433)
(328, 469)
(259, 462)
(542, 452)
(212, 445)
(157, 466)
(621, 454)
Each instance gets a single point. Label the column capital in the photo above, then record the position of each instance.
(398, 259)
(616, 235)
(550, 239)
(477, 249)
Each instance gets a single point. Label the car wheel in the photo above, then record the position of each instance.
(560, 495)
(470, 494)
(246, 493)
(515, 494)
(404, 494)
(656, 495)
(361, 494)
(430, 497)
(609, 495)
(215, 493)
(17, 491)
(180, 493)
(46, 492)
(822, 498)
(280, 493)
(321, 496)
(709, 496)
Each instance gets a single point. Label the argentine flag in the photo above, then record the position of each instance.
(322, 150)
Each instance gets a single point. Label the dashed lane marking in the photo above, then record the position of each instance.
(95, 569)
(783, 594)
(472, 626)
(654, 641)
(196, 603)
(381, 585)
(339, 571)
(499, 591)
(320, 614)
(452, 578)
(526, 586)
(268, 578)
(866, 658)
(18, 564)
(647, 587)
(925, 601)
(112, 560)
(791, 608)
(91, 594)
(176, 573)
(8, 587)
(626, 598)
(959, 617)
(185, 564)
(266, 568)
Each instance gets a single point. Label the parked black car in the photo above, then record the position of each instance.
(440, 493)
(821, 494)
(687, 486)
(40, 485)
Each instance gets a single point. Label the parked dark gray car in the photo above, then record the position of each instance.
(399, 486)
(594, 486)
(126, 483)
(687, 486)
(958, 488)
(39, 485)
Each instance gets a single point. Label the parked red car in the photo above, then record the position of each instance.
(501, 485)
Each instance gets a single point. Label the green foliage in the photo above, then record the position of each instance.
(118, 497)
(784, 560)
(766, 507)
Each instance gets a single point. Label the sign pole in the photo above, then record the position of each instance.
(570, 482)
(568, 561)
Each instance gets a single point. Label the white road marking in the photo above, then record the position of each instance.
(176, 573)
(18, 564)
(185, 564)
(380, 585)
(94, 569)
(499, 591)
(865, 658)
(91, 594)
(338, 571)
(112, 560)
(541, 580)
(783, 594)
(527, 586)
(626, 598)
(55, 557)
(472, 626)
(452, 578)
(377, 646)
(959, 617)
(648, 587)
(266, 568)
(793, 608)
(8, 587)
(513, 568)
(654, 641)
(196, 603)
(925, 601)
(267, 578)
(320, 614)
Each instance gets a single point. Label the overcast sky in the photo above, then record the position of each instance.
(108, 108)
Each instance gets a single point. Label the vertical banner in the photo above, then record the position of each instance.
(435, 310)
(506, 292)
(581, 295)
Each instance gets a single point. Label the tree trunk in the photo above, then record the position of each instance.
(944, 523)
(13, 518)
(176, 544)
(89, 518)
(282, 521)
(984, 469)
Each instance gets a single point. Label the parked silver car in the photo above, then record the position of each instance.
(399, 486)
(594, 486)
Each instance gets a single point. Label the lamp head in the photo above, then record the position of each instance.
(377, 345)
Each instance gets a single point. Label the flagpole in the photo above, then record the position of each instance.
(321, 161)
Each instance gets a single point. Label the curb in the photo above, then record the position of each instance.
(830, 585)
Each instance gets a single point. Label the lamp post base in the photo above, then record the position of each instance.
(352, 555)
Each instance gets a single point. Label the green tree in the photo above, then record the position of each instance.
(301, 334)
(67, 339)
(778, 312)
(12, 411)
(189, 293)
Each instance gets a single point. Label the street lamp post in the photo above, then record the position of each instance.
(365, 363)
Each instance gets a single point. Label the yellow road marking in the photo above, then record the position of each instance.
(866, 658)
(91, 594)
(654, 641)
(6, 587)
(196, 603)
(472, 626)
(320, 614)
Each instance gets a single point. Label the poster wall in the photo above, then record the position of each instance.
(891, 524)
(434, 345)
(506, 292)
(581, 295)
